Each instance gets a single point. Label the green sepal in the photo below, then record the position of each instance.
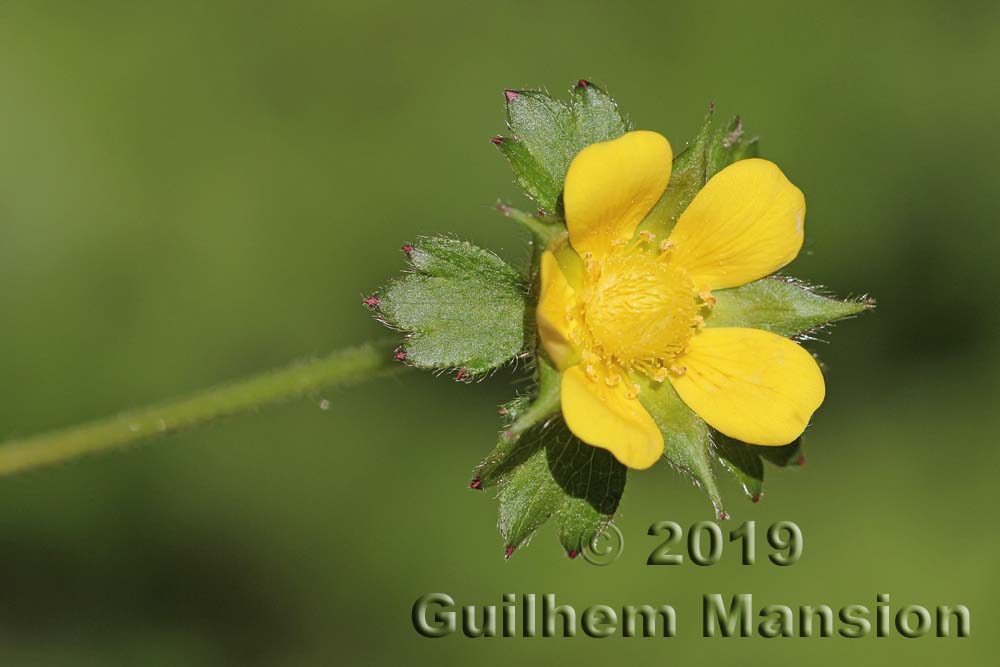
(780, 305)
(687, 177)
(462, 307)
(687, 443)
(782, 456)
(544, 232)
(547, 133)
(560, 477)
(743, 462)
(710, 151)
(730, 144)
(746, 462)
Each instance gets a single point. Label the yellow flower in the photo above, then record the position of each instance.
(621, 309)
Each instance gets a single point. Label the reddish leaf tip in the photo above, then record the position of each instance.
(511, 95)
(372, 301)
(461, 375)
(723, 516)
(756, 498)
(572, 553)
(476, 483)
(497, 141)
(407, 248)
(801, 461)
(399, 354)
(508, 550)
(583, 83)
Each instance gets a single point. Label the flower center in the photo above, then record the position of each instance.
(638, 310)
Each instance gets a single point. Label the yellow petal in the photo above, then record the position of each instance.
(553, 306)
(746, 223)
(602, 416)
(751, 385)
(611, 186)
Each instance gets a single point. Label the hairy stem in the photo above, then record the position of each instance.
(344, 367)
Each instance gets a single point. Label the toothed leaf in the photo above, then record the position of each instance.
(784, 307)
(561, 476)
(520, 439)
(547, 133)
(463, 307)
(687, 445)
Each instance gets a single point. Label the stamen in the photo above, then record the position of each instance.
(647, 236)
(613, 379)
(634, 392)
(666, 245)
(678, 370)
(708, 300)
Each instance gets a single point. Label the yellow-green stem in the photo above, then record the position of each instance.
(340, 368)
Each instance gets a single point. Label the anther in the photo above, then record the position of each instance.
(699, 322)
(612, 380)
(708, 300)
(678, 370)
(591, 372)
(647, 236)
(666, 245)
(661, 375)
(634, 392)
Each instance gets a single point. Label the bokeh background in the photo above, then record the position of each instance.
(193, 191)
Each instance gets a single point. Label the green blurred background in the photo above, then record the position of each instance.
(190, 192)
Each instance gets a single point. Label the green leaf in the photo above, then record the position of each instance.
(782, 306)
(561, 476)
(524, 414)
(547, 133)
(729, 144)
(743, 461)
(463, 307)
(687, 444)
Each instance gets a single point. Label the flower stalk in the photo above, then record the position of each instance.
(341, 368)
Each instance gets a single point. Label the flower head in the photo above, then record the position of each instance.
(622, 311)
